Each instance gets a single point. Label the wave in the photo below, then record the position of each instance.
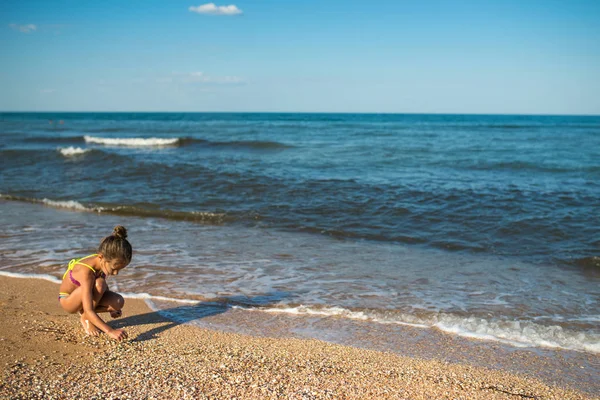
(69, 204)
(194, 216)
(148, 296)
(73, 151)
(515, 333)
(130, 142)
(37, 156)
(45, 277)
(133, 142)
(161, 142)
(204, 217)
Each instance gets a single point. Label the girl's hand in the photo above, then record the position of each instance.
(116, 314)
(118, 334)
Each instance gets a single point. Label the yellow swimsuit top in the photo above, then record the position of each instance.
(69, 271)
(76, 261)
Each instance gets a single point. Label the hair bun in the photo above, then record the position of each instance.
(120, 232)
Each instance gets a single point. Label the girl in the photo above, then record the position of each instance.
(84, 287)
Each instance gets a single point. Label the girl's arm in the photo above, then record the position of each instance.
(88, 308)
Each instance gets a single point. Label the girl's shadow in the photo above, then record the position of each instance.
(169, 317)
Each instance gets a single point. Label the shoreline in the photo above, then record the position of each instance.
(44, 353)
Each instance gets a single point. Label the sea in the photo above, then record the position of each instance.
(328, 226)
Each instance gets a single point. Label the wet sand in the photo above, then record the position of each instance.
(45, 354)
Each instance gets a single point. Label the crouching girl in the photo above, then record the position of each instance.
(84, 288)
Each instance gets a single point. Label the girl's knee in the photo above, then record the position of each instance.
(119, 301)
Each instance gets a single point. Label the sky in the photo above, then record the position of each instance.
(389, 56)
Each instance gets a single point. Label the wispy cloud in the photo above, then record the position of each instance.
(201, 77)
(47, 91)
(23, 28)
(213, 9)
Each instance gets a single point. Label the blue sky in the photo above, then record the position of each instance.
(504, 57)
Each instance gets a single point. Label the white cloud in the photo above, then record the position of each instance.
(47, 91)
(23, 28)
(201, 77)
(211, 8)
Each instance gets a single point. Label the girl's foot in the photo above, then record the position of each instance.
(116, 314)
(88, 327)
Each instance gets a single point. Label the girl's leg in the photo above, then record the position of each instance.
(111, 302)
(74, 303)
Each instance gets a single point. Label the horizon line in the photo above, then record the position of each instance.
(303, 112)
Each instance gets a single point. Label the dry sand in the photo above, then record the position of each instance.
(45, 354)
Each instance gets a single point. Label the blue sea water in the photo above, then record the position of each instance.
(478, 225)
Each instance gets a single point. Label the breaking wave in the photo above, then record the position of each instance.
(167, 142)
(204, 217)
(133, 142)
(161, 142)
(73, 151)
(515, 333)
(70, 204)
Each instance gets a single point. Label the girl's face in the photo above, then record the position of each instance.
(112, 267)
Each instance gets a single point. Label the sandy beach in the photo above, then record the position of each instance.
(45, 354)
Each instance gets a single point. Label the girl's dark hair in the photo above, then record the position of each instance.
(116, 245)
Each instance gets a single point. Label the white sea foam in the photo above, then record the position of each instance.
(519, 333)
(336, 312)
(45, 277)
(132, 142)
(515, 333)
(70, 204)
(147, 296)
(148, 299)
(73, 151)
(67, 204)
